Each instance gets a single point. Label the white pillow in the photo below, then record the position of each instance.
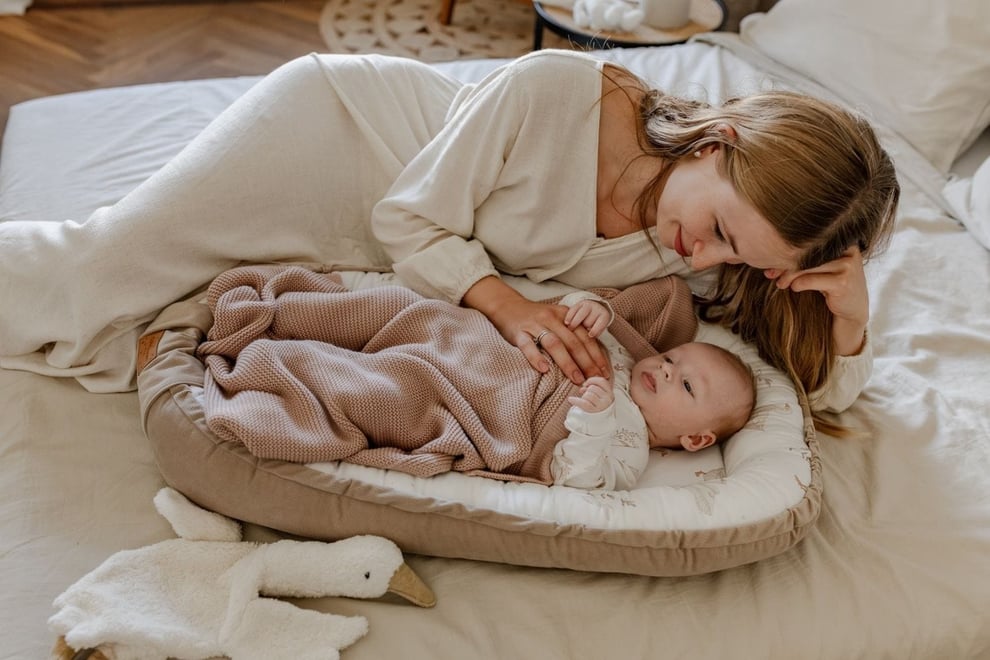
(970, 197)
(920, 66)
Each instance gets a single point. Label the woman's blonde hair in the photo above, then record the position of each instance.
(817, 172)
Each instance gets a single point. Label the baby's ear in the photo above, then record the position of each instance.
(698, 441)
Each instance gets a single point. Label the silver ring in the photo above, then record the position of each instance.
(538, 338)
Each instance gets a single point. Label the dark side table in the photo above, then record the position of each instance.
(706, 16)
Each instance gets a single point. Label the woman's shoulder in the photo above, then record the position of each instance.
(542, 79)
(554, 64)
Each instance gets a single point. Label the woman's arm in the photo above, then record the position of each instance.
(427, 222)
(843, 284)
(847, 379)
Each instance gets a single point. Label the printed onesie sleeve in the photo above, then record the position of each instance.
(607, 449)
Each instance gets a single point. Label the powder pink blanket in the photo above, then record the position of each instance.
(301, 369)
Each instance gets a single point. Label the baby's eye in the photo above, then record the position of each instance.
(718, 232)
(667, 360)
(687, 386)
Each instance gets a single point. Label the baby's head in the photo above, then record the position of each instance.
(693, 396)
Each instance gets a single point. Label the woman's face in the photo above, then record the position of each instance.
(703, 218)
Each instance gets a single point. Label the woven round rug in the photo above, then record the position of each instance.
(412, 28)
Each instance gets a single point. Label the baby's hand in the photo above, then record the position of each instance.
(593, 315)
(595, 395)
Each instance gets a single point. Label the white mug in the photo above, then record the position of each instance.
(666, 14)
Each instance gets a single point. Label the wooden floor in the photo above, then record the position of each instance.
(56, 49)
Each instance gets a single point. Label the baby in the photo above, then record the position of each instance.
(689, 398)
(386, 378)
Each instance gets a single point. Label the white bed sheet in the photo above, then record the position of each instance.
(898, 566)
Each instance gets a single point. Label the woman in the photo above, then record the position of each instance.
(546, 170)
(787, 193)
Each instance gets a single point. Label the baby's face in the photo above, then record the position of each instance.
(683, 392)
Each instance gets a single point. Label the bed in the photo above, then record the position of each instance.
(896, 565)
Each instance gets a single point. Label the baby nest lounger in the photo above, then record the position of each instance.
(755, 496)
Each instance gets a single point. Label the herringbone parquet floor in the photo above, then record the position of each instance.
(53, 49)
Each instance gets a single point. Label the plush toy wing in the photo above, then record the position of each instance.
(153, 602)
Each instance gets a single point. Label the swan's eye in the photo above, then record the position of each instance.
(367, 575)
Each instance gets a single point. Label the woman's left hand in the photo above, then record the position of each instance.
(843, 283)
(538, 330)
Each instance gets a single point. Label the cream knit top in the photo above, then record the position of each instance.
(509, 185)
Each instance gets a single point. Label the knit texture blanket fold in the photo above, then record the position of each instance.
(299, 368)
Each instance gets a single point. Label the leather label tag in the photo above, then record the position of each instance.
(147, 349)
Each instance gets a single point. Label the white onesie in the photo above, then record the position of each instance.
(608, 449)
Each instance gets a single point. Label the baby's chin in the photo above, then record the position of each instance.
(657, 443)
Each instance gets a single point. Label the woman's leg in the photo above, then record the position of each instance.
(289, 172)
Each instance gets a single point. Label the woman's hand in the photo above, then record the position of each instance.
(843, 283)
(522, 321)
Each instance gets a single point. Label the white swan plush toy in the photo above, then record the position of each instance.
(209, 594)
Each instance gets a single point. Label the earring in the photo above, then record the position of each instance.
(697, 154)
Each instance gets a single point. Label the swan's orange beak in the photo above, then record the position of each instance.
(407, 584)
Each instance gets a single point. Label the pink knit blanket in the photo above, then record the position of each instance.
(301, 369)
